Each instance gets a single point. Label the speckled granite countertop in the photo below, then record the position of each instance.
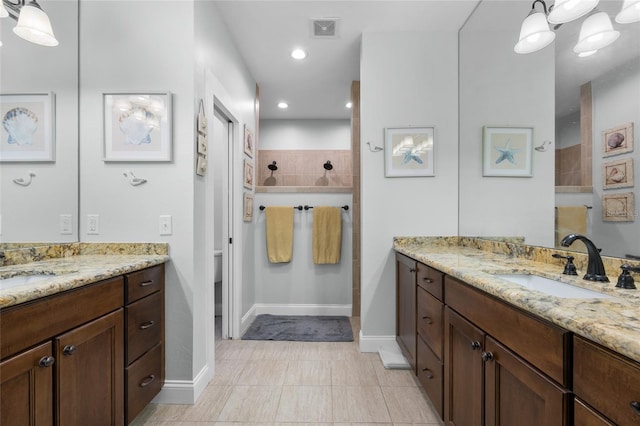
(89, 264)
(612, 322)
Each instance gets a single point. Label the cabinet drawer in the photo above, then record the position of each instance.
(143, 381)
(518, 330)
(430, 279)
(430, 323)
(430, 374)
(583, 415)
(144, 282)
(606, 381)
(143, 325)
(25, 325)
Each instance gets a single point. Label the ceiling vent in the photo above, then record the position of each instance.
(325, 28)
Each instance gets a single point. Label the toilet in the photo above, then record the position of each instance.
(217, 256)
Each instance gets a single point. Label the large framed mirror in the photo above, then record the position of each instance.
(39, 199)
(543, 90)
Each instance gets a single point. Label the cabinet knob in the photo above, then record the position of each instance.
(427, 320)
(427, 280)
(475, 345)
(412, 270)
(69, 350)
(636, 407)
(147, 381)
(487, 356)
(427, 373)
(46, 361)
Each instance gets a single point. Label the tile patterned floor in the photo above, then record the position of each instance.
(294, 383)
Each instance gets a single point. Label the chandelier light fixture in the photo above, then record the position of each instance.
(596, 32)
(33, 23)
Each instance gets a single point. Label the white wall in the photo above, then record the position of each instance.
(305, 134)
(406, 79)
(616, 100)
(501, 88)
(119, 54)
(32, 213)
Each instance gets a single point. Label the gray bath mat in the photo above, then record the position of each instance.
(300, 328)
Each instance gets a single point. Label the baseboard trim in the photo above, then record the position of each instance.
(373, 343)
(184, 391)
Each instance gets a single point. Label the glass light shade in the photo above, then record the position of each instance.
(596, 32)
(3, 11)
(34, 26)
(629, 13)
(534, 33)
(568, 10)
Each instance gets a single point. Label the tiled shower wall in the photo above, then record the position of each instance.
(568, 171)
(304, 168)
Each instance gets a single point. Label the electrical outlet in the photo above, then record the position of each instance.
(65, 224)
(93, 224)
(165, 224)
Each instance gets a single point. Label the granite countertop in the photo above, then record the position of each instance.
(53, 275)
(612, 322)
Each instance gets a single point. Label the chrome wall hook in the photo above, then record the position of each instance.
(375, 148)
(25, 182)
(133, 180)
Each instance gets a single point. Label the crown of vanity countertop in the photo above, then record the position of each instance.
(613, 322)
(67, 266)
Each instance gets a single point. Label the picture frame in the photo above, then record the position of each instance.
(507, 151)
(618, 207)
(617, 174)
(137, 126)
(247, 207)
(248, 174)
(28, 130)
(202, 119)
(201, 165)
(202, 144)
(617, 140)
(409, 151)
(249, 142)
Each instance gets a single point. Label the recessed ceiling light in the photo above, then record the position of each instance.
(283, 105)
(298, 54)
(348, 104)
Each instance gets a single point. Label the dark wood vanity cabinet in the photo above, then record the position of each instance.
(606, 384)
(419, 323)
(64, 358)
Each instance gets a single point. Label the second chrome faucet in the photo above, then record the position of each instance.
(595, 267)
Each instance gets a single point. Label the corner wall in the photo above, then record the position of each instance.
(407, 79)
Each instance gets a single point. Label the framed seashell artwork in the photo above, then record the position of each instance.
(28, 127)
(137, 126)
(249, 145)
(617, 173)
(617, 140)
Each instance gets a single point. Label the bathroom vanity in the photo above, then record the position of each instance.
(77, 351)
(491, 352)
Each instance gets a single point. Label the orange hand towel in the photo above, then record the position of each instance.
(279, 224)
(327, 235)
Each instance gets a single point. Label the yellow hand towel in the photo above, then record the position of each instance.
(279, 224)
(570, 220)
(327, 235)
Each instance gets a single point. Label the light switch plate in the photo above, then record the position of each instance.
(165, 225)
(65, 224)
(93, 224)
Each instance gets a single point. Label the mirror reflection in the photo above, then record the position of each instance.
(595, 97)
(39, 199)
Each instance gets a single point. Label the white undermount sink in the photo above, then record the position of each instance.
(18, 280)
(552, 287)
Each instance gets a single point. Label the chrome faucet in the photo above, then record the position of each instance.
(595, 268)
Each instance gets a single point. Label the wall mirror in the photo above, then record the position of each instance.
(39, 199)
(614, 76)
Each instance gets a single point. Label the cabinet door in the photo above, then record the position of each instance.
(90, 373)
(26, 383)
(406, 330)
(464, 372)
(517, 394)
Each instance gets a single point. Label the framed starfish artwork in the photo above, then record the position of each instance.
(409, 151)
(507, 151)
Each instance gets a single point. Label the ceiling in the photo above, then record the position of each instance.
(318, 87)
(265, 32)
